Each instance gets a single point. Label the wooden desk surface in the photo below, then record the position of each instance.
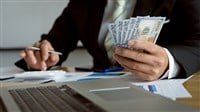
(192, 85)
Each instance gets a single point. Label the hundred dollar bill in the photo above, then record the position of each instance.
(148, 28)
(131, 28)
(140, 27)
(124, 32)
(119, 25)
(113, 32)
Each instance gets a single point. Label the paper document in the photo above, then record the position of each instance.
(62, 76)
(169, 88)
(8, 72)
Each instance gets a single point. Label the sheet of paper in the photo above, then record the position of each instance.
(169, 88)
(62, 76)
(55, 75)
(8, 72)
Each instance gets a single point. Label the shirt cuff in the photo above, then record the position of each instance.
(173, 67)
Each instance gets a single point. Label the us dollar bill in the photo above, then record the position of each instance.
(148, 28)
(140, 27)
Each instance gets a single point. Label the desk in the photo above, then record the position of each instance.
(192, 85)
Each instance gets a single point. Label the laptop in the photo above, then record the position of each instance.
(102, 95)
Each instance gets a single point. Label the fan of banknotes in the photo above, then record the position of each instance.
(146, 28)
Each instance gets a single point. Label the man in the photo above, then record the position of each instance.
(175, 54)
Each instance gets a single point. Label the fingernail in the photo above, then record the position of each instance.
(44, 57)
(34, 61)
(131, 42)
(22, 54)
(44, 68)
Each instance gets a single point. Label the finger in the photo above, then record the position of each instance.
(38, 56)
(143, 45)
(45, 59)
(141, 75)
(22, 54)
(38, 64)
(53, 59)
(139, 68)
(144, 75)
(135, 55)
(30, 57)
(37, 53)
(45, 48)
(43, 65)
(131, 64)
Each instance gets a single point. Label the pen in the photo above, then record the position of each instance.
(113, 69)
(50, 51)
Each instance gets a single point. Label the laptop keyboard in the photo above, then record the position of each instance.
(52, 99)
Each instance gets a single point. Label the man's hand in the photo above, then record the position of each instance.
(145, 59)
(42, 59)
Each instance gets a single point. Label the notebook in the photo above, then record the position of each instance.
(102, 95)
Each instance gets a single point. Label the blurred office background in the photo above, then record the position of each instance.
(23, 21)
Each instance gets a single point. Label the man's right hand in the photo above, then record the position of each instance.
(40, 59)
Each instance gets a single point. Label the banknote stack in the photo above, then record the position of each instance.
(146, 28)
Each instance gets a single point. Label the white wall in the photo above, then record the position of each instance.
(23, 21)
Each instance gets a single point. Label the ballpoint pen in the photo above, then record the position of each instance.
(50, 51)
(112, 69)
